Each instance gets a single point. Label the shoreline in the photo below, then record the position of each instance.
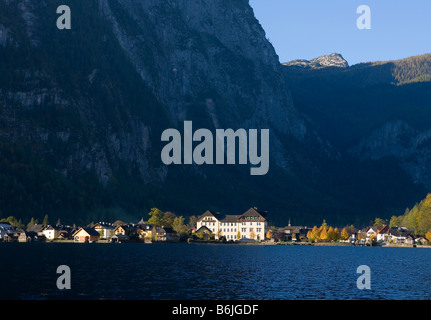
(318, 244)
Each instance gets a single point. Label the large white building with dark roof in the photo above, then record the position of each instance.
(251, 225)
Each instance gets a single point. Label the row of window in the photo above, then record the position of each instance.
(251, 229)
(227, 224)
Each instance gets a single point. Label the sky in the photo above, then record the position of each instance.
(307, 29)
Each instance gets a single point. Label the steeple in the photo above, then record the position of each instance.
(289, 222)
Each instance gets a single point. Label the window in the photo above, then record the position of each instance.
(251, 229)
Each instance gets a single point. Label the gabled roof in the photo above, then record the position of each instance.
(208, 213)
(104, 225)
(90, 231)
(203, 229)
(230, 218)
(49, 227)
(35, 228)
(146, 226)
(253, 212)
(383, 229)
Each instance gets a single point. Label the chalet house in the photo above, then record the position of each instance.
(371, 233)
(121, 229)
(146, 231)
(383, 233)
(86, 235)
(119, 238)
(353, 234)
(401, 235)
(51, 232)
(105, 230)
(251, 225)
(294, 233)
(166, 234)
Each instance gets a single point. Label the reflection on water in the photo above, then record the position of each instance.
(228, 272)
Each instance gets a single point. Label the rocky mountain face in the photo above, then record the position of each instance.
(398, 139)
(91, 103)
(333, 60)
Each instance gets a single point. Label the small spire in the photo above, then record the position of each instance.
(289, 222)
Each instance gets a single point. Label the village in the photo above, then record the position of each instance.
(251, 227)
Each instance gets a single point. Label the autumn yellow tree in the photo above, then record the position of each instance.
(313, 235)
(252, 235)
(336, 234)
(269, 234)
(330, 234)
(323, 234)
(344, 234)
(428, 236)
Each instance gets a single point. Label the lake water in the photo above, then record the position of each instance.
(190, 272)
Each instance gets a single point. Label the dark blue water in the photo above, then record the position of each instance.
(188, 272)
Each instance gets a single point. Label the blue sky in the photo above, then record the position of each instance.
(306, 29)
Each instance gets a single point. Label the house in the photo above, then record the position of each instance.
(422, 240)
(86, 235)
(12, 235)
(383, 233)
(105, 230)
(146, 231)
(22, 237)
(293, 233)
(36, 228)
(63, 234)
(166, 234)
(4, 229)
(371, 234)
(51, 232)
(121, 229)
(401, 235)
(251, 225)
(119, 238)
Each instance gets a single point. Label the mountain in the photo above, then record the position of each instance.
(89, 106)
(373, 112)
(82, 112)
(333, 60)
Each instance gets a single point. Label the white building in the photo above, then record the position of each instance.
(51, 232)
(251, 225)
(105, 230)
